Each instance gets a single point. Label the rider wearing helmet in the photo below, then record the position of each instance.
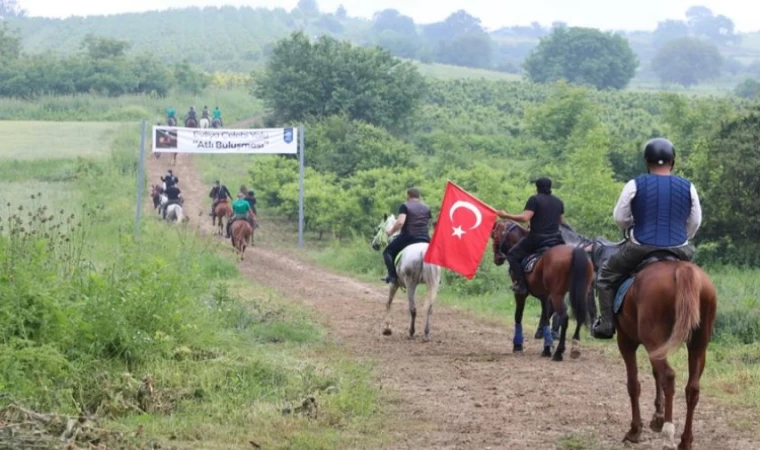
(191, 113)
(217, 114)
(660, 211)
(219, 192)
(204, 113)
(242, 210)
(413, 221)
(545, 212)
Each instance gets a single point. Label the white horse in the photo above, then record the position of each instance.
(204, 122)
(412, 271)
(174, 213)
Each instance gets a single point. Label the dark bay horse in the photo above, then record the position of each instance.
(155, 194)
(550, 274)
(242, 233)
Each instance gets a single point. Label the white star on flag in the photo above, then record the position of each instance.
(458, 232)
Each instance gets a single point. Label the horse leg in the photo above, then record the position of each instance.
(410, 291)
(575, 348)
(697, 358)
(667, 380)
(387, 331)
(546, 312)
(564, 321)
(628, 349)
(517, 340)
(431, 284)
(658, 418)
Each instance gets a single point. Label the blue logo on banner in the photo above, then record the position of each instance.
(287, 135)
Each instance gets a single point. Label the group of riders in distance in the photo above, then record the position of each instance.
(191, 120)
(168, 201)
(649, 290)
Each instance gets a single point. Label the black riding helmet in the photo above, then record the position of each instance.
(660, 151)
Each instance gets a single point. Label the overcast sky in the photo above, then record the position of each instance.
(605, 14)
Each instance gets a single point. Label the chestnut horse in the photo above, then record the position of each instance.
(559, 269)
(221, 210)
(666, 303)
(241, 232)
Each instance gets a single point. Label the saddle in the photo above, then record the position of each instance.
(530, 261)
(651, 258)
(602, 250)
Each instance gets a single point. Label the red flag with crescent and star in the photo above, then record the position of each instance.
(462, 232)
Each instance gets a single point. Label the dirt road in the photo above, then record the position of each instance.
(465, 389)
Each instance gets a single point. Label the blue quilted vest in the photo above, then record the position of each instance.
(660, 208)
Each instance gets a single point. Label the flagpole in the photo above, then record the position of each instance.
(468, 193)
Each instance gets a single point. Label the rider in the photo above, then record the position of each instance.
(545, 212)
(242, 210)
(191, 113)
(413, 221)
(171, 113)
(170, 179)
(250, 197)
(217, 114)
(174, 195)
(660, 211)
(204, 113)
(218, 193)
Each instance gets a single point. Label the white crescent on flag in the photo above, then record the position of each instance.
(458, 232)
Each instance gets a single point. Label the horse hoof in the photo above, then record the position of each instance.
(575, 353)
(632, 438)
(657, 423)
(426, 338)
(410, 337)
(557, 357)
(518, 348)
(387, 332)
(547, 353)
(539, 334)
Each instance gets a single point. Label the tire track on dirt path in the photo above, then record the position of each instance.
(464, 389)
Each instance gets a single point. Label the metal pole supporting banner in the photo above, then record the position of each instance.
(140, 178)
(300, 184)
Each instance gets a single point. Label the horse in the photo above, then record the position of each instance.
(155, 193)
(241, 232)
(173, 212)
(204, 122)
(216, 123)
(549, 274)
(171, 121)
(221, 210)
(412, 271)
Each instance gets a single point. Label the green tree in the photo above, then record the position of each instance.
(104, 48)
(669, 30)
(473, 49)
(583, 56)
(749, 88)
(687, 61)
(189, 79)
(10, 43)
(329, 77)
(11, 8)
(341, 146)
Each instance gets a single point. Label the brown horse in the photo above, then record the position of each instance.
(666, 303)
(221, 210)
(549, 275)
(241, 232)
(155, 194)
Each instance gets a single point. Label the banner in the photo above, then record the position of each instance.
(220, 140)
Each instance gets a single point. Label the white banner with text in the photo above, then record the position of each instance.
(220, 140)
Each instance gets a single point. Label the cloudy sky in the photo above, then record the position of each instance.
(605, 14)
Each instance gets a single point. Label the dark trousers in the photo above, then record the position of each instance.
(527, 246)
(396, 246)
(628, 257)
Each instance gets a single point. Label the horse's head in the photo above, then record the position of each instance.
(505, 234)
(381, 238)
(572, 237)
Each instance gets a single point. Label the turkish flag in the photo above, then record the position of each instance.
(462, 232)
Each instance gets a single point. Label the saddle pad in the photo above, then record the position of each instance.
(530, 261)
(620, 295)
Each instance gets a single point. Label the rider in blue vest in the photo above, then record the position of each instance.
(660, 211)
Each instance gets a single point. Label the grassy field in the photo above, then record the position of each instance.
(26, 140)
(446, 72)
(94, 314)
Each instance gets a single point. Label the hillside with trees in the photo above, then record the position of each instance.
(239, 39)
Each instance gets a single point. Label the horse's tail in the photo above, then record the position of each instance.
(431, 275)
(688, 286)
(579, 281)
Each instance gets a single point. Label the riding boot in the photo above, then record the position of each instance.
(518, 286)
(229, 223)
(604, 327)
(392, 276)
